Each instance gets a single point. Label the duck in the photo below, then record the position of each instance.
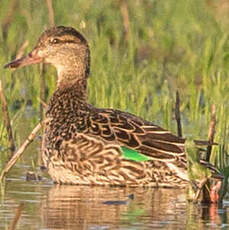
(85, 145)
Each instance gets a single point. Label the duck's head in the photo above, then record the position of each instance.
(63, 47)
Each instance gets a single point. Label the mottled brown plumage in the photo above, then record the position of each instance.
(83, 145)
(86, 145)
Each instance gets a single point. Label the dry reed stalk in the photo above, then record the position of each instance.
(42, 103)
(42, 90)
(200, 142)
(42, 147)
(125, 16)
(7, 21)
(17, 216)
(21, 50)
(6, 118)
(20, 151)
(211, 133)
(51, 12)
(177, 115)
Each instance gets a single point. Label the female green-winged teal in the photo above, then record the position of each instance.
(91, 146)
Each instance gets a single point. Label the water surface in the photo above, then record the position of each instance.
(49, 206)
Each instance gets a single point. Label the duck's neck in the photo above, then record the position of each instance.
(68, 99)
(72, 83)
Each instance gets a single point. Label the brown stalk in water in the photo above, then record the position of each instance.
(17, 216)
(20, 151)
(6, 118)
(211, 132)
(42, 100)
(177, 115)
(43, 70)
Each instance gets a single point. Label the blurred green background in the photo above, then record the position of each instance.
(143, 51)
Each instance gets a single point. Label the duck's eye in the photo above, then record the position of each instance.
(54, 41)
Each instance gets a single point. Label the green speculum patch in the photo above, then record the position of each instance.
(134, 155)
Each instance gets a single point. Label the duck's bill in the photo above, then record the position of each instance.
(31, 58)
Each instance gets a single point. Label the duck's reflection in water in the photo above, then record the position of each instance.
(82, 207)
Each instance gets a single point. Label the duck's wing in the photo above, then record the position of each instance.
(134, 133)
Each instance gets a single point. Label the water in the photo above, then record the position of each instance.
(49, 206)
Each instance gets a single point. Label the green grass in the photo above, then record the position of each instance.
(173, 45)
